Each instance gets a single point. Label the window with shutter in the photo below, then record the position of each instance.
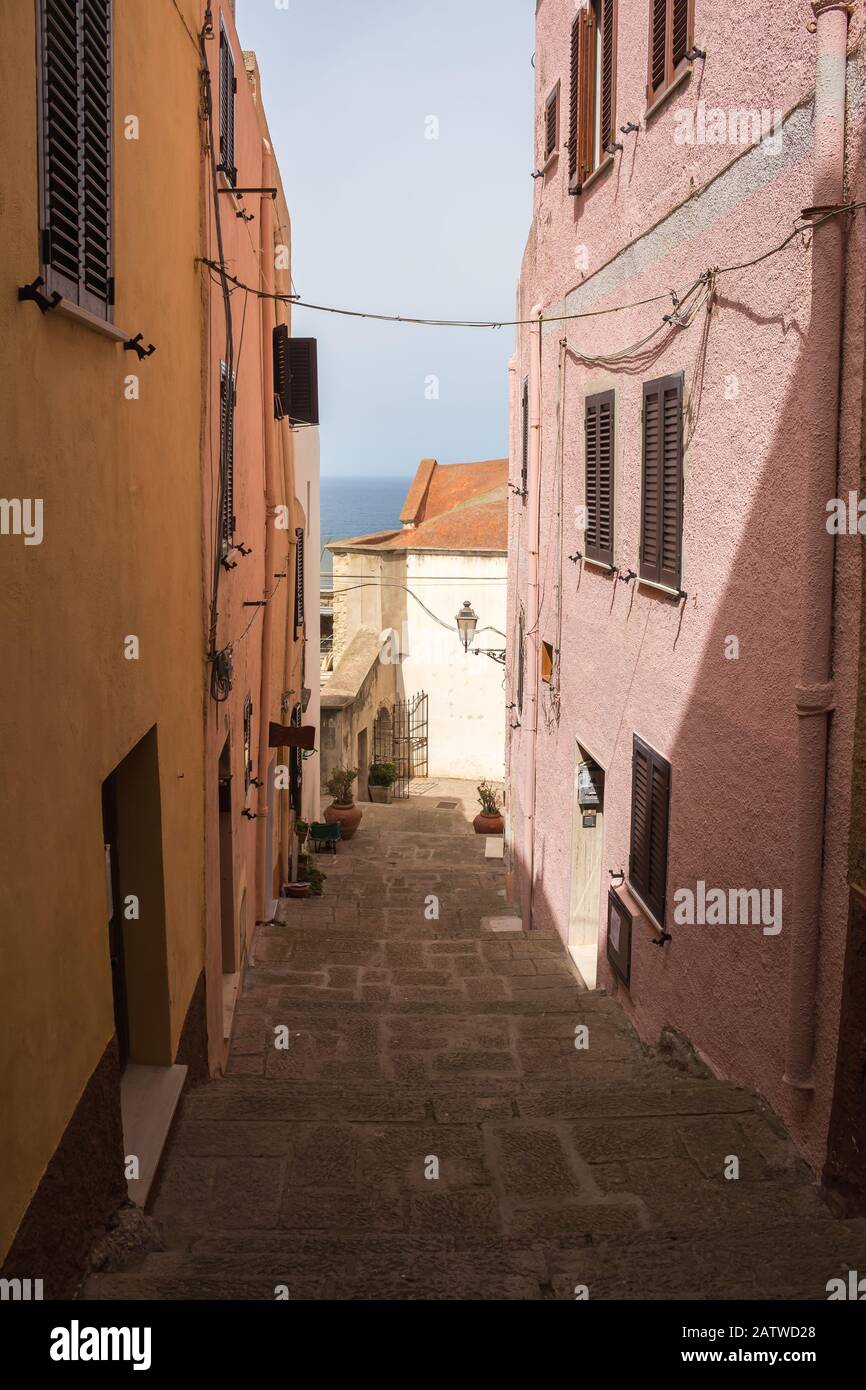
(661, 543)
(524, 425)
(551, 123)
(671, 36)
(228, 87)
(599, 421)
(296, 766)
(248, 742)
(75, 151)
(521, 641)
(650, 817)
(227, 454)
(299, 581)
(592, 119)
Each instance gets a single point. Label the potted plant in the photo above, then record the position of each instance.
(489, 820)
(380, 781)
(302, 829)
(343, 808)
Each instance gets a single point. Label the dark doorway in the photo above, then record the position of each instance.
(115, 917)
(226, 854)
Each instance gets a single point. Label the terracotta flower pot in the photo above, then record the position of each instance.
(296, 890)
(349, 818)
(489, 825)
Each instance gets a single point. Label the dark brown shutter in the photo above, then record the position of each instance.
(551, 123)
(599, 422)
(658, 63)
(228, 87)
(76, 123)
(662, 482)
(574, 99)
(299, 386)
(521, 668)
(607, 96)
(299, 581)
(650, 816)
(524, 462)
(248, 742)
(586, 103)
(680, 41)
(281, 371)
(227, 442)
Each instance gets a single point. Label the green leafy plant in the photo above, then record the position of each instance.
(308, 872)
(301, 826)
(382, 775)
(339, 785)
(489, 799)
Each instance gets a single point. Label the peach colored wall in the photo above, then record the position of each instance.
(632, 661)
(254, 422)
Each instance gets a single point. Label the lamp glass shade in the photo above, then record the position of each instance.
(467, 622)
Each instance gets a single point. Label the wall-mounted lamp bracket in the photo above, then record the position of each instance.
(135, 345)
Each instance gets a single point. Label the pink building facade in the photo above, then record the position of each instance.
(686, 400)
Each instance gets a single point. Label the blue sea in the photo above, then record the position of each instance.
(357, 506)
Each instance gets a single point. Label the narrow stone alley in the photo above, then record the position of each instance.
(431, 1131)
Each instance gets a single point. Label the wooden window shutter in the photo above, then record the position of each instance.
(574, 99)
(599, 424)
(76, 150)
(296, 378)
(524, 461)
(227, 446)
(281, 371)
(299, 580)
(607, 95)
(670, 38)
(650, 817)
(551, 123)
(662, 482)
(228, 87)
(521, 670)
(248, 742)
(586, 101)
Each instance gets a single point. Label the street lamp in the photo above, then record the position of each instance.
(467, 622)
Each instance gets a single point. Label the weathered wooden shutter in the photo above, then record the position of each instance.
(607, 95)
(521, 669)
(248, 742)
(296, 378)
(296, 765)
(671, 29)
(599, 440)
(524, 415)
(299, 581)
(76, 121)
(574, 99)
(227, 444)
(662, 482)
(228, 87)
(281, 371)
(586, 102)
(551, 123)
(650, 816)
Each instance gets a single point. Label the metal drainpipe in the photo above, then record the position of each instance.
(263, 824)
(815, 691)
(531, 641)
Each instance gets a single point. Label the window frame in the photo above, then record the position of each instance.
(524, 440)
(587, 69)
(227, 518)
(74, 292)
(673, 73)
(299, 599)
(229, 172)
(655, 905)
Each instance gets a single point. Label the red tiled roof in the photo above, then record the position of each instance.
(455, 506)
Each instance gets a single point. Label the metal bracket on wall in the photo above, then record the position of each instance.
(33, 291)
(135, 345)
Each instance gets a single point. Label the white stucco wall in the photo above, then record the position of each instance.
(466, 693)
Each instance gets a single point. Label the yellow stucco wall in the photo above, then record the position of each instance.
(121, 486)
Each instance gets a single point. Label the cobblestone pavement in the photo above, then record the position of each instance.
(418, 1044)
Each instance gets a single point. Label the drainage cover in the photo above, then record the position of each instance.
(446, 805)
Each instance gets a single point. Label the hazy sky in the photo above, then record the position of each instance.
(386, 219)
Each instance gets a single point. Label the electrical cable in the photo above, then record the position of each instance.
(799, 227)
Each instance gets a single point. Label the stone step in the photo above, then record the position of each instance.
(793, 1260)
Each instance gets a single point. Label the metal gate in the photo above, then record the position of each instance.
(400, 737)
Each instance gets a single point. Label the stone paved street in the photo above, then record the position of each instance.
(414, 1040)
